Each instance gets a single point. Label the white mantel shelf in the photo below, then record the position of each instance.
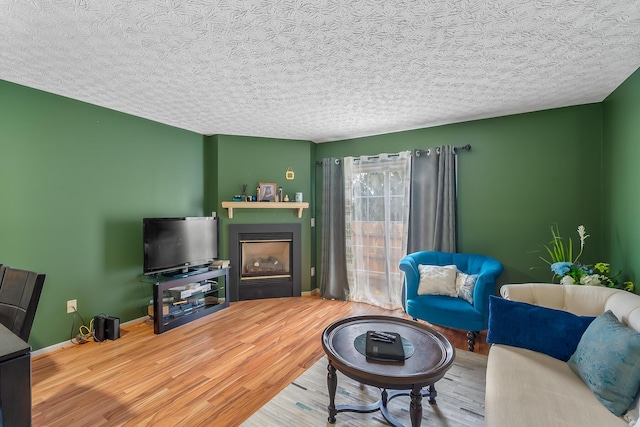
(265, 205)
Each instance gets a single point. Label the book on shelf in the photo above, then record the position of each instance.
(220, 263)
(166, 309)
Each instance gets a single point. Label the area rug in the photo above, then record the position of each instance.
(460, 400)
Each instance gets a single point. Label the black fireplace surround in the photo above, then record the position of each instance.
(264, 287)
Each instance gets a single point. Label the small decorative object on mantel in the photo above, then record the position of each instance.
(267, 191)
(289, 174)
(244, 194)
(573, 272)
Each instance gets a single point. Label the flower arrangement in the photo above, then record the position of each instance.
(572, 272)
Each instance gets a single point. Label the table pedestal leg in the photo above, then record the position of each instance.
(332, 385)
(415, 409)
(432, 393)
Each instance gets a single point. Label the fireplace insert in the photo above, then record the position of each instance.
(265, 261)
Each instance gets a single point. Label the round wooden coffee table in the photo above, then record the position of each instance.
(432, 358)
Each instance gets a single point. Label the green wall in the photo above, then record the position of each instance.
(78, 179)
(524, 173)
(250, 160)
(621, 153)
(76, 182)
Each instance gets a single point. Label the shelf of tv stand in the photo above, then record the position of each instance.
(299, 206)
(161, 284)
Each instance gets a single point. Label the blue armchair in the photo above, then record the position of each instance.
(448, 311)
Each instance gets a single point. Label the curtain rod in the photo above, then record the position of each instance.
(466, 147)
(319, 162)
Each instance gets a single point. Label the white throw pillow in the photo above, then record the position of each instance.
(465, 283)
(437, 280)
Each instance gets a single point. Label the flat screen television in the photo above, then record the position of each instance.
(179, 244)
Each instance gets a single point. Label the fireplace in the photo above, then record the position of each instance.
(265, 261)
(262, 259)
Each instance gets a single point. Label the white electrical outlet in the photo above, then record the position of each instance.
(72, 305)
(313, 271)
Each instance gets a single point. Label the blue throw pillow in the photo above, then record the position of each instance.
(608, 361)
(553, 332)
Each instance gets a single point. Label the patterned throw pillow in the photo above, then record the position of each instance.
(437, 280)
(465, 283)
(608, 361)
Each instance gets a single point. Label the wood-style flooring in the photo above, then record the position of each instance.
(215, 371)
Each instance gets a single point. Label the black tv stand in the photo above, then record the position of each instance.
(162, 284)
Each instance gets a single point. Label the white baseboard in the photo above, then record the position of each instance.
(312, 293)
(68, 343)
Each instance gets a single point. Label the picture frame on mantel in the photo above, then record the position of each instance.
(267, 192)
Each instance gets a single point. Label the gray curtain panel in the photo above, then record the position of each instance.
(432, 215)
(333, 272)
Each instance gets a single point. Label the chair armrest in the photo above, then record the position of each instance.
(486, 285)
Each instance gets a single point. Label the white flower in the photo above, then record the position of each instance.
(583, 235)
(567, 280)
(591, 280)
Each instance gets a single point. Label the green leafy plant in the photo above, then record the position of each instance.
(571, 272)
(559, 251)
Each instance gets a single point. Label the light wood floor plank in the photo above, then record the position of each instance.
(217, 370)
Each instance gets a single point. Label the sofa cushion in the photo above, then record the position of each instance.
(527, 388)
(465, 283)
(437, 280)
(553, 332)
(608, 361)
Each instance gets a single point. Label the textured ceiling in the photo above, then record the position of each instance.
(320, 70)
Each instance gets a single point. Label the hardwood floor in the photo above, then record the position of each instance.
(217, 370)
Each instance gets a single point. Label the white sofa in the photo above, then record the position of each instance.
(527, 388)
